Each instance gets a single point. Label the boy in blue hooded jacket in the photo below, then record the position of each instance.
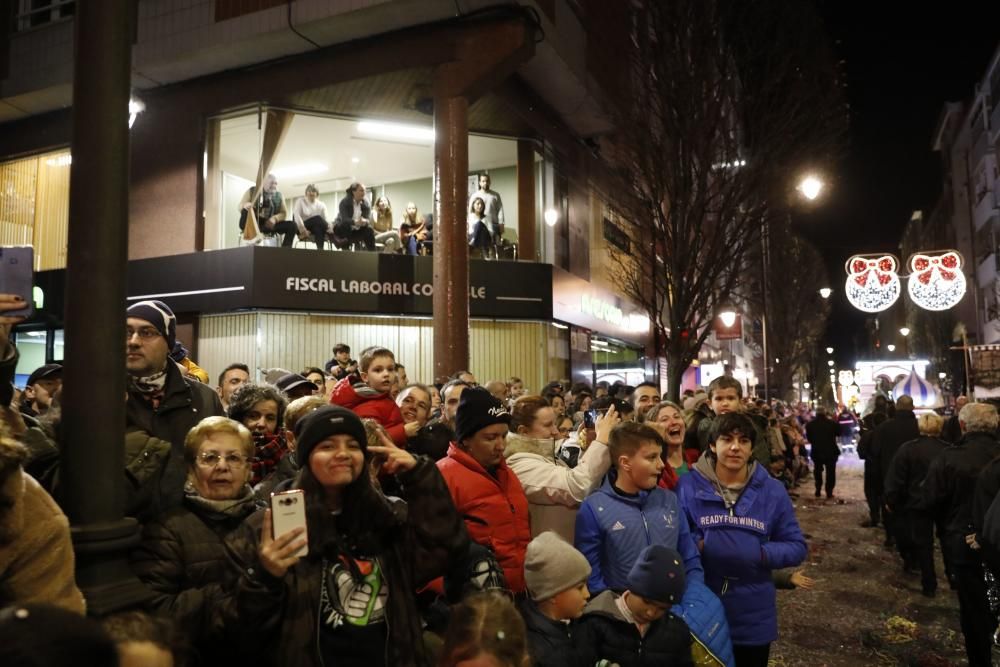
(745, 527)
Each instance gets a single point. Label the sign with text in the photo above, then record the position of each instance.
(582, 303)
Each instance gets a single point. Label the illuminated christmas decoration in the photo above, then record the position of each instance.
(936, 281)
(872, 282)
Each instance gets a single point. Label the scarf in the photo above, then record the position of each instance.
(269, 449)
(150, 387)
(235, 508)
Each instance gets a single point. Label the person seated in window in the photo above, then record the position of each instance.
(269, 208)
(480, 239)
(383, 225)
(412, 231)
(310, 217)
(354, 218)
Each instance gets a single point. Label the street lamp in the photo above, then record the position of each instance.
(830, 364)
(905, 331)
(942, 375)
(805, 385)
(829, 350)
(825, 292)
(728, 318)
(810, 187)
(890, 347)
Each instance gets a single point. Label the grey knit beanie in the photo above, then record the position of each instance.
(552, 565)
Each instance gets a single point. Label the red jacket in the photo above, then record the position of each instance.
(495, 510)
(379, 407)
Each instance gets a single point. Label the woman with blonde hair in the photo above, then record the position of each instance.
(913, 526)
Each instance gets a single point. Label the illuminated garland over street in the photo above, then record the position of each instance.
(936, 281)
(872, 283)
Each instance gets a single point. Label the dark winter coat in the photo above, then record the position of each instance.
(740, 547)
(184, 561)
(432, 440)
(987, 487)
(550, 643)
(821, 433)
(890, 436)
(604, 634)
(281, 615)
(950, 486)
(951, 432)
(184, 404)
(905, 478)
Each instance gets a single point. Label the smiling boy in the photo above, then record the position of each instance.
(630, 512)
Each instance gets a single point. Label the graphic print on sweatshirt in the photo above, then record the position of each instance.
(359, 602)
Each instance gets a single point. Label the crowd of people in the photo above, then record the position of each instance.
(362, 225)
(458, 522)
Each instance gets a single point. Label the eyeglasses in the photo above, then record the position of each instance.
(212, 459)
(145, 333)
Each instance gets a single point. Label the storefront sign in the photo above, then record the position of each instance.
(579, 302)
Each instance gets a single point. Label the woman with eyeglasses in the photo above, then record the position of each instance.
(183, 556)
(554, 490)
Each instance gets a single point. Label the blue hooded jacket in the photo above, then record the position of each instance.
(611, 530)
(741, 545)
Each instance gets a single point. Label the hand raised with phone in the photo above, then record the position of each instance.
(604, 424)
(277, 554)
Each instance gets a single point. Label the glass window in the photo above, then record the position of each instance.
(34, 13)
(34, 206)
(395, 160)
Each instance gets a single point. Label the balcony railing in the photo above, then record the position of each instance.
(986, 272)
(986, 208)
(982, 148)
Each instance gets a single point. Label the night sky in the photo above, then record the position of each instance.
(901, 67)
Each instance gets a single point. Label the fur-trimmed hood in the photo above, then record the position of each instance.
(521, 444)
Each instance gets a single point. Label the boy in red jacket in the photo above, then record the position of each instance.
(367, 393)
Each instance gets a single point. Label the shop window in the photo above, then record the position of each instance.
(615, 361)
(34, 206)
(392, 160)
(35, 13)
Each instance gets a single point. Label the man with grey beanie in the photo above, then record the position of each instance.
(161, 401)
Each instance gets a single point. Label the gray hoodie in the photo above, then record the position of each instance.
(729, 494)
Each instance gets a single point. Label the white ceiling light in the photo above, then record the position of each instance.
(396, 130)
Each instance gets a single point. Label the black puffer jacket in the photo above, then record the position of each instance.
(428, 539)
(822, 435)
(183, 559)
(550, 643)
(950, 486)
(905, 478)
(604, 634)
(890, 436)
(184, 404)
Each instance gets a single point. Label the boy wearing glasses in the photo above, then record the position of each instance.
(161, 401)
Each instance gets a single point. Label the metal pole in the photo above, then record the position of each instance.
(451, 250)
(93, 413)
(765, 249)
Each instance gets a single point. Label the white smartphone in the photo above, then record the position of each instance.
(288, 511)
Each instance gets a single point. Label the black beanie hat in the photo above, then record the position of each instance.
(477, 409)
(658, 575)
(159, 315)
(323, 423)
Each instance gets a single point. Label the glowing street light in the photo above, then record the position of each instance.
(825, 292)
(942, 375)
(830, 364)
(829, 350)
(805, 385)
(890, 347)
(810, 187)
(905, 331)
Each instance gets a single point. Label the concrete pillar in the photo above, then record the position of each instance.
(93, 399)
(526, 232)
(451, 248)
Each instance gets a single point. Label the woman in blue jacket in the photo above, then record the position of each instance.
(745, 527)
